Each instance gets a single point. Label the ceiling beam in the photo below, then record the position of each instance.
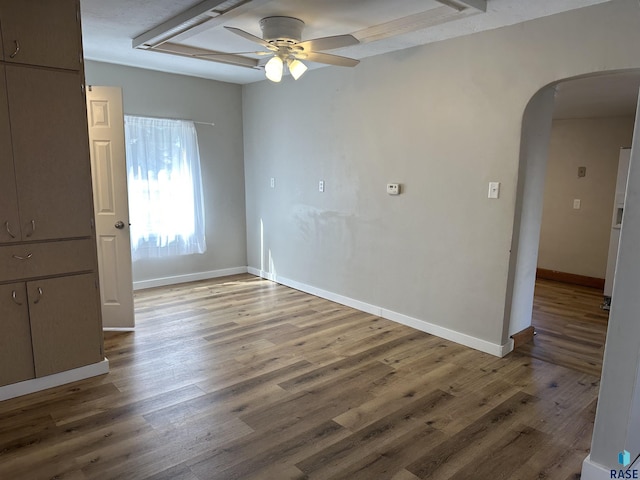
(477, 4)
(413, 23)
(183, 21)
(195, 20)
(462, 4)
(214, 21)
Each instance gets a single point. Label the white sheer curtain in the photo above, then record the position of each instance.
(165, 188)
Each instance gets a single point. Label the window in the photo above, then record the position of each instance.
(165, 188)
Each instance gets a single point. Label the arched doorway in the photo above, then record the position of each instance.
(618, 411)
(579, 95)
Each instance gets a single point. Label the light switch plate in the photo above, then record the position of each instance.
(494, 189)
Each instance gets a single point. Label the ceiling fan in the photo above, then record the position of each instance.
(282, 37)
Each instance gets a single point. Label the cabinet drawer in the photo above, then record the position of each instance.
(20, 262)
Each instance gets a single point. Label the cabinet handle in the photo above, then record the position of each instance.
(6, 225)
(14, 298)
(37, 300)
(18, 257)
(33, 228)
(17, 50)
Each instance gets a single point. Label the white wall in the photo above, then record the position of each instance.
(618, 413)
(147, 92)
(534, 151)
(577, 241)
(443, 120)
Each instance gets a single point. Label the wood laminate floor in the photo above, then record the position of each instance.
(240, 378)
(570, 325)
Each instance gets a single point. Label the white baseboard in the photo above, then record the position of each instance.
(191, 277)
(593, 471)
(453, 335)
(55, 380)
(118, 329)
(261, 273)
(437, 330)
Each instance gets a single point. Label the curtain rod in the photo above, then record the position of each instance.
(170, 118)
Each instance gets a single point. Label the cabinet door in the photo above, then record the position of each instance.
(66, 330)
(38, 32)
(16, 356)
(51, 152)
(9, 221)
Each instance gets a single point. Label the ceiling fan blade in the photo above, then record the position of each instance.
(329, 59)
(216, 54)
(251, 37)
(328, 43)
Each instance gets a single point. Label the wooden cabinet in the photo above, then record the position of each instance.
(50, 320)
(24, 261)
(41, 32)
(16, 354)
(64, 315)
(44, 166)
(8, 195)
(41, 319)
(47, 114)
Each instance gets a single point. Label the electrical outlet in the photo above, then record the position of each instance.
(321, 186)
(393, 188)
(273, 182)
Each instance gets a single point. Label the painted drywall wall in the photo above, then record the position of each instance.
(443, 120)
(618, 413)
(577, 241)
(147, 92)
(534, 151)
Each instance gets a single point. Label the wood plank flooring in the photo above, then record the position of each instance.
(240, 378)
(571, 328)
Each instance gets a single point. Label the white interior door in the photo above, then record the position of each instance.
(108, 167)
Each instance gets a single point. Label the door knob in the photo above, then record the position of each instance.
(119, 225)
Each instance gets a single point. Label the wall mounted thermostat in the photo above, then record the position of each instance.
(393, 188)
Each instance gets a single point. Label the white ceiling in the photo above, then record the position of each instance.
(109, 26)
(611, 95)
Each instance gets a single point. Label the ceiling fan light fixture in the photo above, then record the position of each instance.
(273, 69)
(282, 37)
(296, 68)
